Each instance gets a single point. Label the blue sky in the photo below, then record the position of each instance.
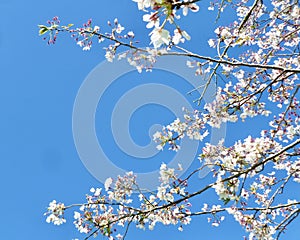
(39, 84)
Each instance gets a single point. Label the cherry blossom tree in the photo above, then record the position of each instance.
(256, 66)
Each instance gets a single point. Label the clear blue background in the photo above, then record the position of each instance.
(39, 83)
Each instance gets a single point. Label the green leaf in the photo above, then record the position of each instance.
(43, 29)
(226, 200)
(66, 27)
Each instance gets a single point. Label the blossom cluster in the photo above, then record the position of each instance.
(55, 213)
(162, 12)
(240, 180)
(193, 127)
